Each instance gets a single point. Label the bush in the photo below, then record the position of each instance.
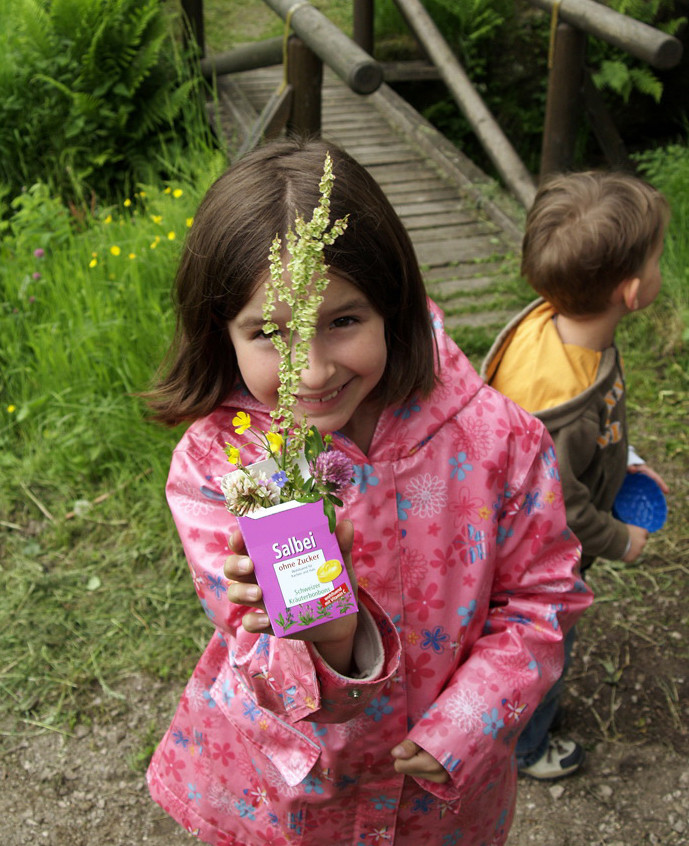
(91, 94)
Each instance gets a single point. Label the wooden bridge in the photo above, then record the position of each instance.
(463, 225)
(461, 234)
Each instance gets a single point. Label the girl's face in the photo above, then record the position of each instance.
(346, 360)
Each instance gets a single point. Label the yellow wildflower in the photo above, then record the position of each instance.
(241, 421)
(115, 250)
(177, 193)
(171, 236)
(232, 454)
(156, 218)
(127, 203)
(108, 219)
(93, 262)
(11, 408)
(275, 441)
(132, 255)
(155, 242)
(190, 221)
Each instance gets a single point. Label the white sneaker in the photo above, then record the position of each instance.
(561, 758)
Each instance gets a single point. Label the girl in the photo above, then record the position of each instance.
(400, 723)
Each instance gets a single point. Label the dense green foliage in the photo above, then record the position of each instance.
(93, 96)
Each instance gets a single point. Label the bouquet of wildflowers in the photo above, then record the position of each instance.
(300, 465)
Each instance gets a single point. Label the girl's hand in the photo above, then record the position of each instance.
(334, 640)
(412, 760)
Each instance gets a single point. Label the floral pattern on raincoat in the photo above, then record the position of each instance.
(468, 576)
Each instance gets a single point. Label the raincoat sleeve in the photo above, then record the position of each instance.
(535, 597)
(285, 676)
(599, 532)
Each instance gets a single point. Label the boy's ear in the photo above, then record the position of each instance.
(627, 293)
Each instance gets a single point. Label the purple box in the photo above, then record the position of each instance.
(298, 565)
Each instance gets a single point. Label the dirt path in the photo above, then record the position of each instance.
(87, 788)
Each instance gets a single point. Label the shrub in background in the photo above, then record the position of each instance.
(92, 92)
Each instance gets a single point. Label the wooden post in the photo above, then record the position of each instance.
(492, 138)
(564, 99)
(363, 25)
(305, 75)
(193, 13)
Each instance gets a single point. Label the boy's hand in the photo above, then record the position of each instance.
(412, 760)
(651, 473)
(638, 538)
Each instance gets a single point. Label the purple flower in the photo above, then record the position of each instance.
(332, 468)
(39, 252)
(280, 478)
(36, 275)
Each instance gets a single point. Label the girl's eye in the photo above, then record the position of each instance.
(344, 321)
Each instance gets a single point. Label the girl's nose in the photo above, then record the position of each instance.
(320, 368)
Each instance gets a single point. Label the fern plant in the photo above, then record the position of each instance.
(619, 72)
(89, 92)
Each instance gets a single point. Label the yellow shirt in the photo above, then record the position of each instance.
(536, 370)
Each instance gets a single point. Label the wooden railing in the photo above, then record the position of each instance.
(316, 40)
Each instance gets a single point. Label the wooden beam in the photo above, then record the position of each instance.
(258, 54)
(352, 64)
(641, 40)
(487, 130)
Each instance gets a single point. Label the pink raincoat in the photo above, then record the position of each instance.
(468, 577)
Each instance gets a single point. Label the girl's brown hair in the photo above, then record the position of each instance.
(226, 255)
(586, 233)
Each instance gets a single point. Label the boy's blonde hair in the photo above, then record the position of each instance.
(586, 233)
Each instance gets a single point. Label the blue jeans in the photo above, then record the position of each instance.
(533, 741)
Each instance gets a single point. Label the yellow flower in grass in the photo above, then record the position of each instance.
(11, 408)
(171, 236)
(177, 193)
(275, 441)
(93, 262)
(115, 250)
(157, 218)
(127, 203)
(190, 221)
(241, 421)
(232, 454)
(132, 255)
(108, 219)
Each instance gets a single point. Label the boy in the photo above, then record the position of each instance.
(591, 250)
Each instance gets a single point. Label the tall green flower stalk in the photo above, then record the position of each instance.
(301, 287)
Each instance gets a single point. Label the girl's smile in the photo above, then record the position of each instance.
(347, 359)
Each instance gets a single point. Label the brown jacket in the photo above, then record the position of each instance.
(590, 437)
